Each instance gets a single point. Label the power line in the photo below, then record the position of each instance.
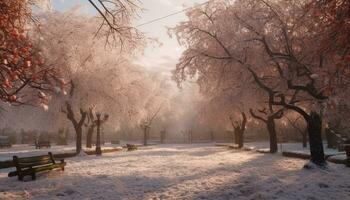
(172, 14)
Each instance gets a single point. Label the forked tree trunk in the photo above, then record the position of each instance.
(314, 126)
(271, 128)
(78, 125)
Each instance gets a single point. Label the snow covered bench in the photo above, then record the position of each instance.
(29, 166)
(5, 142)
(40, 144)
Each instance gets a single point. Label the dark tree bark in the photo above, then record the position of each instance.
(145, 135)
(239, 137)
(89, 136)
(271, 127)
(92, 124)
(79, 132)
(304, 135)
(78, 125)
(236, 136)
(238, 130)
(314, 126)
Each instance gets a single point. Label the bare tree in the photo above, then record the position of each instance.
(92, 124)
(146, 124)
(77, 124)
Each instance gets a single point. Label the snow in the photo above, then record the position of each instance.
(290, 146)
(29, 150)
(197, 171)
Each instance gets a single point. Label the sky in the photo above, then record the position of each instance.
(158, 58)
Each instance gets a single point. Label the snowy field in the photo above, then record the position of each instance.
(200, 171)
(25, 150)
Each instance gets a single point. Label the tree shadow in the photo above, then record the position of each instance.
(264, 176)
(315, 184)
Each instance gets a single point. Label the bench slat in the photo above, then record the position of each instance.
(26, 165)
(34, 159)
(37, 169)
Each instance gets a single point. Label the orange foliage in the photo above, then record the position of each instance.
(334, 19)
(19, 60)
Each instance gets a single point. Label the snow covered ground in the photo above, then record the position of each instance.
(290, 147)
(198, 171)
(29, 150)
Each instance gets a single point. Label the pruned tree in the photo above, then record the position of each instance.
(238, 129)
(146, 123)
(77, 124)
(269, 119)
(92, 124)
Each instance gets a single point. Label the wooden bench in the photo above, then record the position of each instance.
(40, 144)
(29, 166)
(5, 142)
(131, 147)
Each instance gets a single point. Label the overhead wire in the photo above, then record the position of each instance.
(171, 14)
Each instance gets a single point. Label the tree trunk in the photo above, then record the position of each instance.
(314, 126)
(273, 135)
(145, 135)
(89, 136)
(304, 139)
(236, 135)
(240, 138)
(162, 136)
(77, 125)
(79, 133)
